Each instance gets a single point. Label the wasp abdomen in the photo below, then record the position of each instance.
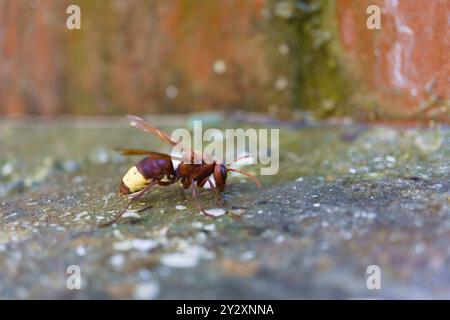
(140, 175)
(155, 169)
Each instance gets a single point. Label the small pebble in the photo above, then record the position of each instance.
(390, 159)
(81, 251)
(197, 225)
(138, 244)
(117, 234)
(248, 255)
(210, 227)
(80, 215)
(131, 214)
(144, 244)
(186, 259)
(146, 291)
(117, 260)
(179, 207)
(178, 260)
(217, 212)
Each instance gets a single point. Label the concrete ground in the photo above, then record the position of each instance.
(346, 197)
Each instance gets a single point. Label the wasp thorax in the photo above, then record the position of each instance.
(133, 181)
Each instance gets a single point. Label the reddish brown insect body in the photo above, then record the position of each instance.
(157, 168)
(152, 169)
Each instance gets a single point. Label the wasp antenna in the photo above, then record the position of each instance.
(248, 175)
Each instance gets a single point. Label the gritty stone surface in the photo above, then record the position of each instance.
(346, 197)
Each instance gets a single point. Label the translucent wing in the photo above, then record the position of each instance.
(149, 153)
(188, 154)
(143, 125)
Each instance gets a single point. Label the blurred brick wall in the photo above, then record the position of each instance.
(406, 64)
(133, 56)
(185, 55)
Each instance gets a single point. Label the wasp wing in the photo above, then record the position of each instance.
(145, 126)
(149, 153)
(188, 155)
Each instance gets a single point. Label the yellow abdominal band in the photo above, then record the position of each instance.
(134, 180)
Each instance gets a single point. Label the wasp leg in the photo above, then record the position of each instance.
(219, 199)
(199, 206)
(161, 183)
(145, 208)
(136, 197)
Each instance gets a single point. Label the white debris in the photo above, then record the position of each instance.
(197, 225)
(80, 215)
(171, 92)
(123, 245)
(390, 159)
(178, 260)
(419, 247)
(81, 251)
(144, 244)
(316, 205)
(188, 258)
(146, 291)
(13, 215)
(107, 197)
(284, 49)
(281, 83)
(7, 169)
(117, 260)
(131, 214)
(137, 244)
(200, 237)
(117, 234)
(179, 207)
(210, 227)
(219, 66)
(428, 142)
(284, 9)
(217, 212)
(247, 255)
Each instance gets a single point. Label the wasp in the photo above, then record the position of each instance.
(194, 170)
